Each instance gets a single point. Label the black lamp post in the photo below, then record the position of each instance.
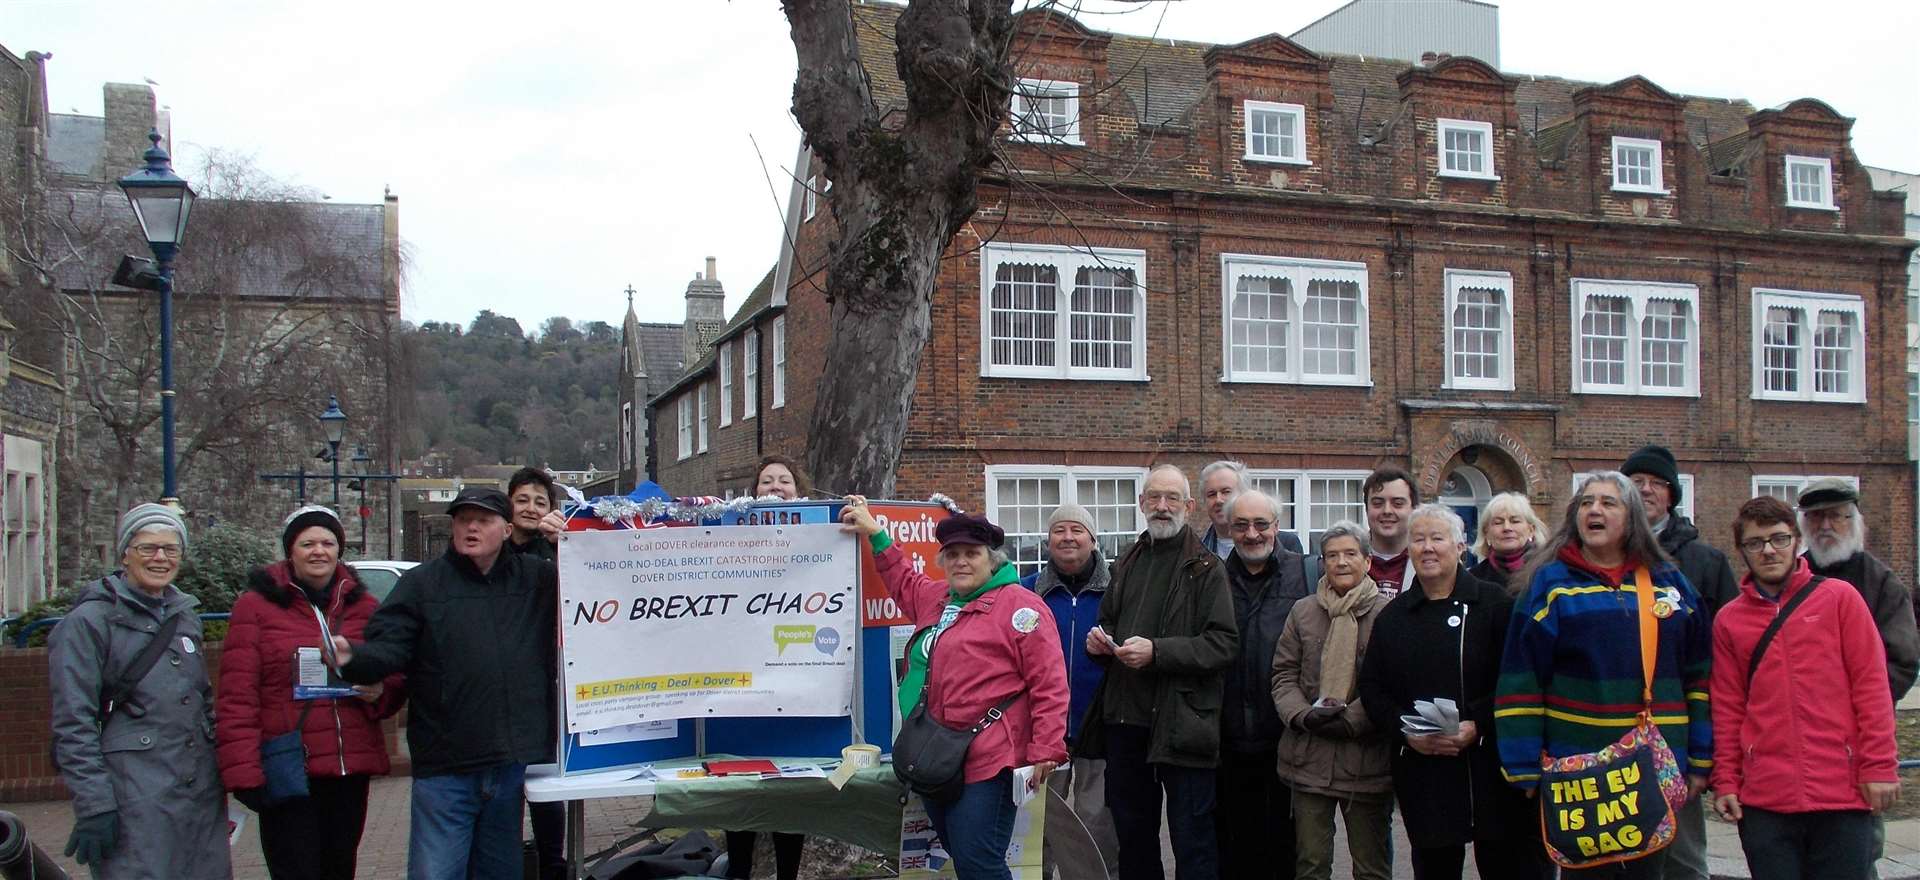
(360, 461)
(335, 423)
(161, 201)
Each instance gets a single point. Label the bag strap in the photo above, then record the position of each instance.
(993, 714)
(1649, 635)
(142, 664)
(1779, 620)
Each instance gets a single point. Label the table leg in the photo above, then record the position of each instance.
(576, 837)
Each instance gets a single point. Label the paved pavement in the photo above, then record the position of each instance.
(383, 848)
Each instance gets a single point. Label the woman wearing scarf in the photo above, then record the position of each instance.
(1508, 528)
(1330, 753)
(976, 645)
(274, 635)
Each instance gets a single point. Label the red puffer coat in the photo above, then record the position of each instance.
(255, 700)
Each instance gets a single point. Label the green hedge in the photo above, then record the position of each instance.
(215, 571)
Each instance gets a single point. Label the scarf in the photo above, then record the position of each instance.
(1339, 657)
(1614, 576)
(1509, 562)
(920, 652)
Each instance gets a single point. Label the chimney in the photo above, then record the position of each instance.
(130, 114)
(1427, 59)
(712, 274)
(706, 314)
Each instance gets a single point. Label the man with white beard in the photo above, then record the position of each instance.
(1166, 635)
(1836, 548)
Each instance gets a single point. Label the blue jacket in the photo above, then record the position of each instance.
(1075, 614)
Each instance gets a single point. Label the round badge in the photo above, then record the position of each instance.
(186, 644)
(1662, 610)
(1454, 620)
(1026, 620)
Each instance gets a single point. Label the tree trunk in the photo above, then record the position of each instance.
(901, 191)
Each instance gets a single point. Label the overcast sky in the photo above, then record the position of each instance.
(547, 155)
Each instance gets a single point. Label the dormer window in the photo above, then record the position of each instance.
(1276, 132)
(1636, 166)
(1810, 183)
(1047, 111)
(1466, 149)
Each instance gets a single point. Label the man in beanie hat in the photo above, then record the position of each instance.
(474, 633)
(1656, 474)
(136, 745)
(1071, 582)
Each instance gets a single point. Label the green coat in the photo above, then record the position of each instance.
(1193, 644)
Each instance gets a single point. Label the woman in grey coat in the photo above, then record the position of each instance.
(147, 798)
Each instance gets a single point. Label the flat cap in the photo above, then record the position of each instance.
(1828, 492)
(967, 528)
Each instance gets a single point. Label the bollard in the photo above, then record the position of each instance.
(20, 859)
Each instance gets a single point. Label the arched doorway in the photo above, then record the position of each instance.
(1467, 490)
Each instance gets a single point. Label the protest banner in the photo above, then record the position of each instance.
(910, 524)
(707, 622)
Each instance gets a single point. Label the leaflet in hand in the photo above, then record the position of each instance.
(1440, 716)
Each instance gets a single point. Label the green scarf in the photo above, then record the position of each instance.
(920, 650)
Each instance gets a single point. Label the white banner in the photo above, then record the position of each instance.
(710, 622)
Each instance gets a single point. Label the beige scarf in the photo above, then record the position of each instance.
(1340, 655)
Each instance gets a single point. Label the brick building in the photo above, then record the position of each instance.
(1321, 263)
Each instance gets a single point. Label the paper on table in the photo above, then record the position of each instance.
(1021, 790)
(645, 730)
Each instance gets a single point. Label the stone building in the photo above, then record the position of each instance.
(1321, 263)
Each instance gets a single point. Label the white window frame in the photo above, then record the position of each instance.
(1825, 202)
(726, 383)
(1296, 112)
(1484, 129)
(749, 374)
(1798, 482)
(1298, 272)
(684, 410)
(626, 433)
(1684, 508)
(1810, 304)
(1658, 185)
(780, 362)
(1303, 501)
(1065, 133)
(1638, 294)
(703, 416)
(813, 196)
(1069, 477)
(1502, 281)
(1067, 263)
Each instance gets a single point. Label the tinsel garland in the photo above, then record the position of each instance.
(620, 510)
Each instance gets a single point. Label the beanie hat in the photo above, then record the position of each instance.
(151, 516)
(1071, 512)
(1658, 461)
(305, 518)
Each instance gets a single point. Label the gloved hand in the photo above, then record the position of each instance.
(254, 799)
(1320, 716)
(94, 837)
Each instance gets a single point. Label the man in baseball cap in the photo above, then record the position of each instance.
(474, 633)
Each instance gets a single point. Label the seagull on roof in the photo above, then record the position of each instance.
(150, 81)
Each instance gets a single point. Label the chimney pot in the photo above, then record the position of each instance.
(1428, 58)
(712, 273)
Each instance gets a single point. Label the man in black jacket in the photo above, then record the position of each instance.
(1253, 808)
(474, 633)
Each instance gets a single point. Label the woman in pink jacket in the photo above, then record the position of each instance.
(975, 646)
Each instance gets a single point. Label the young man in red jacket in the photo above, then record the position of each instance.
(1804, 752)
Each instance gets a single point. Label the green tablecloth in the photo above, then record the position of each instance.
(864, 813)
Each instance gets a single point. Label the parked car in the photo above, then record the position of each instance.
(379, 575)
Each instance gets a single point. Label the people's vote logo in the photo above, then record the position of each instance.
(1026, 620)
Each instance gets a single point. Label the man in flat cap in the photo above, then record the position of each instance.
(474, 633)
(1837, 548)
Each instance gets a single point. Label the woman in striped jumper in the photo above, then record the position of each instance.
(1570, 677)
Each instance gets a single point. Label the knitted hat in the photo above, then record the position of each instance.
(151, 516)
(1658, 461)
(1071, 512)
(305, 518)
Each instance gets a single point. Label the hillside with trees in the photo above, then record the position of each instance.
(493, 393)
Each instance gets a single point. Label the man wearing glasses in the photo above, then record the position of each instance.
(1836, 547)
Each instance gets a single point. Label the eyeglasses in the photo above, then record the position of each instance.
(1169, 497)
(1642, 481)
(1258, 525)
(1831, 514)
(1780, 541)
(149, 551)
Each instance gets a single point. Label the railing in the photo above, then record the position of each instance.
(26, 632)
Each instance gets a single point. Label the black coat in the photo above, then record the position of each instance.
(478, 652)
(1248, 721)
(1486, 571)
(1418, 652)
(1706, 568)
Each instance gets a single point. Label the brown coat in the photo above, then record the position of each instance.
(1347, 755)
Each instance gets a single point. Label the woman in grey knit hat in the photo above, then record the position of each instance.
(135, 745)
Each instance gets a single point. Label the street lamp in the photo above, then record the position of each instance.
(335, 423)
(161, 201)
(361, 460)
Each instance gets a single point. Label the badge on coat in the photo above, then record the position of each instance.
(186, 644)
(1453, 621)
(1026, 620)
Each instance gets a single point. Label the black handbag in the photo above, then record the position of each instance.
(931, 758)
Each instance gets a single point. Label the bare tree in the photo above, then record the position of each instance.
(902, 188)
(265, 322)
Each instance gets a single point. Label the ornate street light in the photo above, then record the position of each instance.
(335, 423)
(161, 201)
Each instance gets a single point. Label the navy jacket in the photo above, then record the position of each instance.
(1075, 614)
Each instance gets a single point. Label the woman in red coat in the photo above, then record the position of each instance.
(274, 623)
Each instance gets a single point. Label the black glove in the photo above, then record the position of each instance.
(254, 799)
(1320, 716)
(94, 837)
